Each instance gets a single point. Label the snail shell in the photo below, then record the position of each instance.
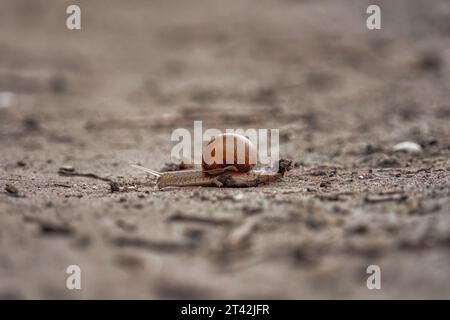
(229, 150)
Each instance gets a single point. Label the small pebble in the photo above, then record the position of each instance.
(67, 168)
(238, 197)
(407, 146)
(11, 189)
(114, 186)
(21, 163)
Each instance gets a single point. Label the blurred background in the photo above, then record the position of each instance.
(112, 93)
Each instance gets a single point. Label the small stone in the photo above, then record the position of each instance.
(238, 197)
(11, 189)
(114, 186)
(67, 169)
(21, 163)
(407, 146)
(429, 62)
(31, 124)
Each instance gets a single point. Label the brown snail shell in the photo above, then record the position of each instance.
(229, 151)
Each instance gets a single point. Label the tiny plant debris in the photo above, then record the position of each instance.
(70, 171)
(114, 186)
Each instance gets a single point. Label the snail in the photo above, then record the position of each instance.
(228, 160)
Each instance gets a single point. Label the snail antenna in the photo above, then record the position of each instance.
(153, 172)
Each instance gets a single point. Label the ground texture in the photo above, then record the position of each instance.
(110, 94)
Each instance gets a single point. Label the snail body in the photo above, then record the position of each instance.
(183, 178)
(199, 178)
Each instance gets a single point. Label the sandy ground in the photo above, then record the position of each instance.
(111, 94)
